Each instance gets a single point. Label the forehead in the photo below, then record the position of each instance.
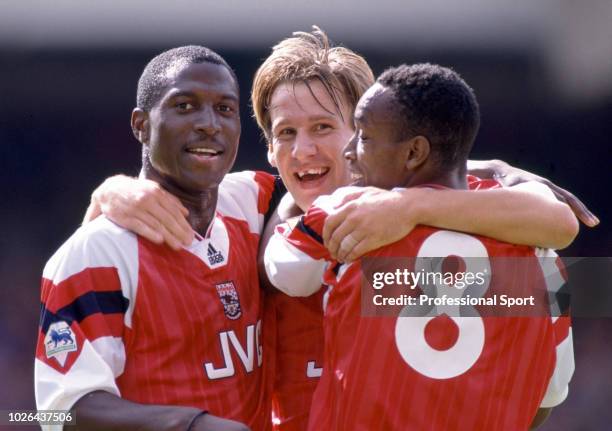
(295, 101)
(207, 78)
(376, 105)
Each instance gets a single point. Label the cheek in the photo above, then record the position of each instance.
(359, 151)
(333, 148)
(230, 125)
(281, 155)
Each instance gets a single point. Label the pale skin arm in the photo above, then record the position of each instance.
(143, 207)
(375, 217)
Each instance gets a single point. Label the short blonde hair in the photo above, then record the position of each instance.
(306, 57)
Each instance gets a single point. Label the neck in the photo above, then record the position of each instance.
(453, 178)
(201, 204)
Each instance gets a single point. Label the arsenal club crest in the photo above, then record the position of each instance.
(229, 298)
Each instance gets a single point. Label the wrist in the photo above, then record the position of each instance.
(415, 207)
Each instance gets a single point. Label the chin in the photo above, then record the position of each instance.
(202, 185)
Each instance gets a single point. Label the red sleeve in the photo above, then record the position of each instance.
(271, 189)
(306, 236)
(475, 183)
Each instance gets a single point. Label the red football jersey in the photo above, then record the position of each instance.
(299, 357)
(435, 373)
(159, 326)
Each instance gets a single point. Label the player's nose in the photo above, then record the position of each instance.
(207, 121)
(349, 148)
(303, 147)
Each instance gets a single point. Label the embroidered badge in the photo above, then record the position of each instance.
(59, 341)
(229, 298)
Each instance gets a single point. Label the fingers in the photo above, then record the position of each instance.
(144, 207)
(361, 248)
(156, 222)
(143, 229)
(335, 219)
(342, 227)
(577, 206)
(93, 211)
(152, 209)
(331, 224)
(170, 213)
(175, 202)
(148, 227)
(347, 245)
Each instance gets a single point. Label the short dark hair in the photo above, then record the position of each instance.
(437, 103)
(154, 78)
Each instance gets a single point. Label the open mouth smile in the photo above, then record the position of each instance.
(311, 174)
(204, 152)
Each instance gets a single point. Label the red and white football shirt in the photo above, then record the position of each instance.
(299, 357)
(408, 372)
(153, 325)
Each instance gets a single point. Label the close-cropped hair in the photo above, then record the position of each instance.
(435, 102)
(156, 76)
(306, 58)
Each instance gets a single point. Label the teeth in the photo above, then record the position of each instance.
(312, 171)
(203, 151)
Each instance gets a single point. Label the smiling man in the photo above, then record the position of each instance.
(152, 338)
(415, 128)
(304, 95)
(307, 138)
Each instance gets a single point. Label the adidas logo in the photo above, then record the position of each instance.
(214, 256)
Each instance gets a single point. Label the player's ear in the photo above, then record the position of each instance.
(417, 152)
(271, 155)
(140, 125)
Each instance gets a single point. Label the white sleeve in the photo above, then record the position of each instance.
(290, 269)
(558, 387)
(295, 262)
(88, 293)
(246, 196)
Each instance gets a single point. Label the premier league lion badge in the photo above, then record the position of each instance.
(59, 341)
(229, 298)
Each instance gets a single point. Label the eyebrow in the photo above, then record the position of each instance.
(193, 94)
(312, 118)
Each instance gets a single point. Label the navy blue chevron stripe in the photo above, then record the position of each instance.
(309, 231)
(85, 305)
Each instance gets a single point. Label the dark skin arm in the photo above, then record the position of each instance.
(103, 411)
(144, 208)
(509, 176)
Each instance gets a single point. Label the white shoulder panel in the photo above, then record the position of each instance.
(558, 387)
(238, 197)
(99, 244)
